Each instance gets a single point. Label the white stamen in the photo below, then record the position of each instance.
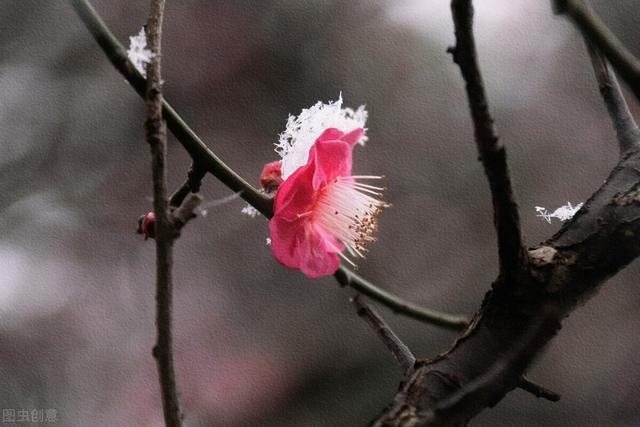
(349, 210)
(346, 258)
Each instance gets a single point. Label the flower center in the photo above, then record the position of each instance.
(349, 209)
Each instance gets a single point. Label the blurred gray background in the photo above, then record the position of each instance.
(257, 345)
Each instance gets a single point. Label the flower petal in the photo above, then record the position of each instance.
(302, 244)
(331, 159)
(330, 134)
(295, 196)
(353, 137)
(319, 252)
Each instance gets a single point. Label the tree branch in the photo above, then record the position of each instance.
(455, 410)
(398, 349)
(191, 185)
(621, 118)
(403, 355)
(157, 138)
(597, 33)
(186, 211)
(208, 160)
(538, 391)
(492, 154)
(445, 320)
(563, 273)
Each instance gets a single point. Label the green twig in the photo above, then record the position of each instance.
(445, 320)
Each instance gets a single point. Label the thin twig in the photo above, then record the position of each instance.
(200, 153)
(492, 154)
(623, 122)
(445, 320)
(157, 138)
(398, 349)
(537, 390)
(191, 185)
(594, 30)
(186, 211)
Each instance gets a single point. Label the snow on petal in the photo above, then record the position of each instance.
(138, 52)
(303, 130)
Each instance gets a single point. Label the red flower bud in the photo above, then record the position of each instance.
(271, 176)
(147, 225)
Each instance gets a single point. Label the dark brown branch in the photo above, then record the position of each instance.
(157, 138)
(564, 272)
(396, 347)
(454, 410)
(492, 153)
(538, 391)
(600, 240)
(623, 122)
(597, 33)
(405, 358)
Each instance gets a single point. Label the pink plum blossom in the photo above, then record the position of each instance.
(321, 209)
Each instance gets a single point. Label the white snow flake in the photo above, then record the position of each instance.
(302, 131)
(563, 213)
(250, 210)
(138, 52)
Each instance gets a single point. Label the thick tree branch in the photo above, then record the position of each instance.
(157, 138)
(454, 410)
(406, 360)
(396, 347)
(565, 271)
(492, 153)
(623, 122)
(597, 33)
(208, 160)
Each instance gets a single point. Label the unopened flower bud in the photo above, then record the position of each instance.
(271, 177)
(147, 225)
